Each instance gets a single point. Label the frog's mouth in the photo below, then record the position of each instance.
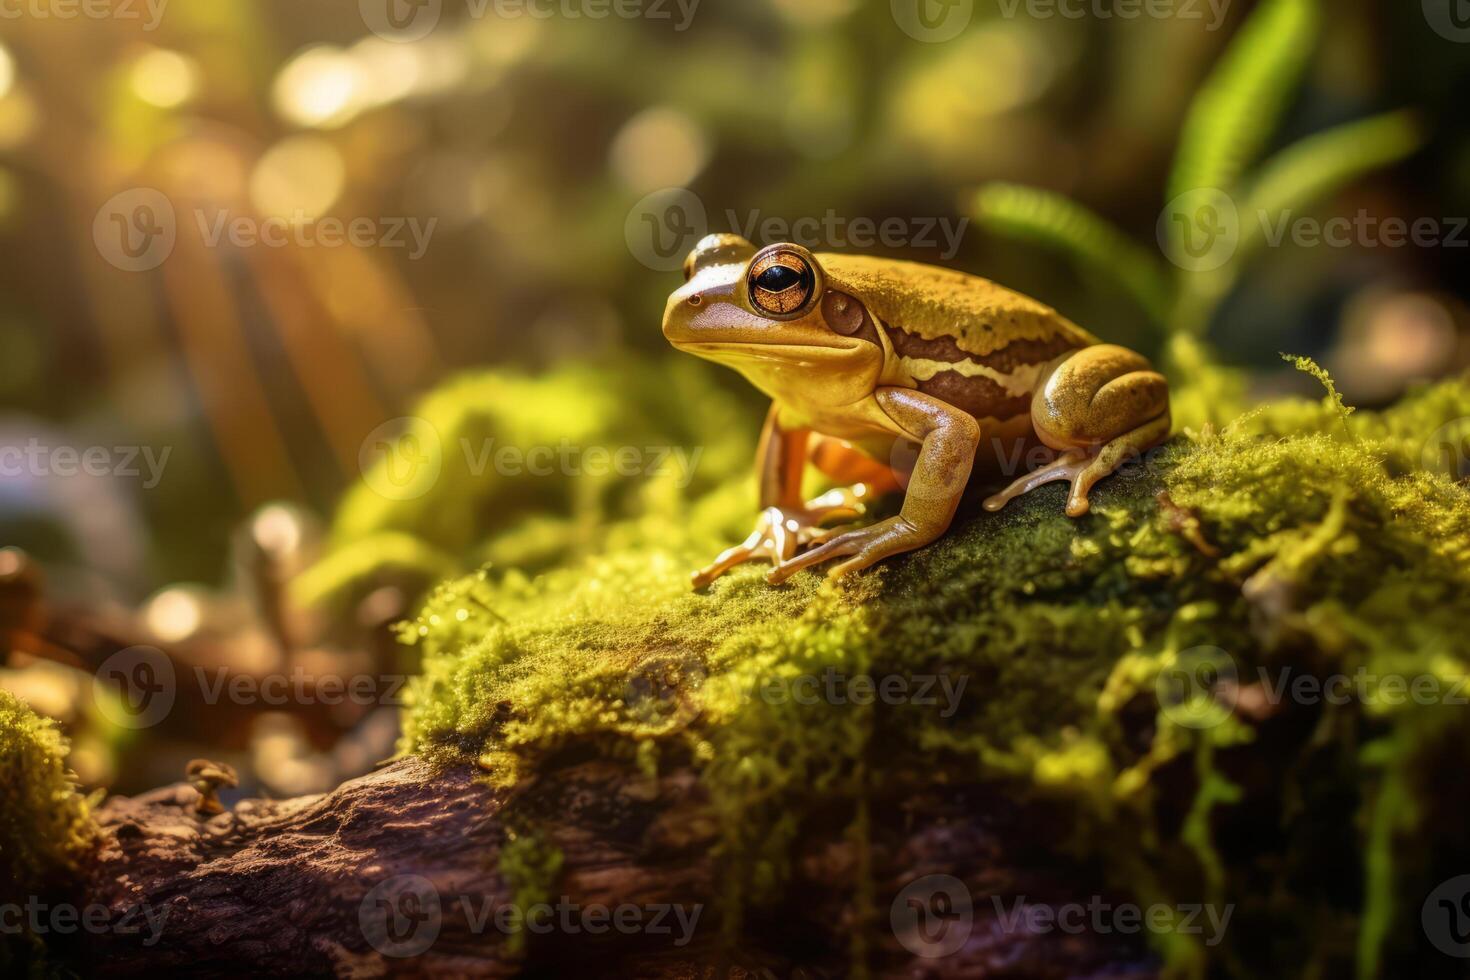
(790, 355)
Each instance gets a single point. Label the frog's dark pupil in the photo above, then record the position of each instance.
(778, 278)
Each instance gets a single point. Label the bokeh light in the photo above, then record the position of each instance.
(165, 78)
(298, 178)
(659, 147)
(321, 87)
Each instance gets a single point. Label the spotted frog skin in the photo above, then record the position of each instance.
(890, 375)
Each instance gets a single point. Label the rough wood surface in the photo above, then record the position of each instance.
(307, 886)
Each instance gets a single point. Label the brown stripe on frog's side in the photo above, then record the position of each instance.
(980, 397)
(1018, 353)
(995, 385)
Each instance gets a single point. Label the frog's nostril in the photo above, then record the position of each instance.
(696, 300)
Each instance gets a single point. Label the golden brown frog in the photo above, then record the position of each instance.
(890, 375)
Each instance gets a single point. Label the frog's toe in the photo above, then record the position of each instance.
(865, 546)
(776, 537)
(751, 547)
(1064, 467)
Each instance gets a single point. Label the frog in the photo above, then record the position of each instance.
(892, 376)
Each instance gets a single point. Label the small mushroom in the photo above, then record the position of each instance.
(207, 777)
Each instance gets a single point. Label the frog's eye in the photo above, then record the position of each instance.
(781, 283)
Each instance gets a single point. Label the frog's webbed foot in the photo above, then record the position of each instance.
(781, 532)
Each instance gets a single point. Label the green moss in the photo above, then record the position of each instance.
(1298, 538)
(530, 866)
(46, 827)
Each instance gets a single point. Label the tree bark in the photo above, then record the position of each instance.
(397, 874)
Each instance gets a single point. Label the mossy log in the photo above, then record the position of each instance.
(594, 732)
(288, 887)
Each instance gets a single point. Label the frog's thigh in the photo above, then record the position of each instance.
(1101, 407)
(1097, 395)
(847, 465)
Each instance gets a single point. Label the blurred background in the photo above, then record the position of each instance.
(239, 240)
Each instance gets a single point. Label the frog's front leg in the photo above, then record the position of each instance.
(947, 438)
(786, 524)
(1100, 407)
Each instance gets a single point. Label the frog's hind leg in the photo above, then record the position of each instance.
(1101, 407)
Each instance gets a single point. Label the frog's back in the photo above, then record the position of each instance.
(937, 305)
(965, 340)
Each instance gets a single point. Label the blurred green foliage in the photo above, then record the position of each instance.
(527, 473)
(1227, 128)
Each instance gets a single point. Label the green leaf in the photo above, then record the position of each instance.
(1312, 169)
(1241, 103)
(1055, 221)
